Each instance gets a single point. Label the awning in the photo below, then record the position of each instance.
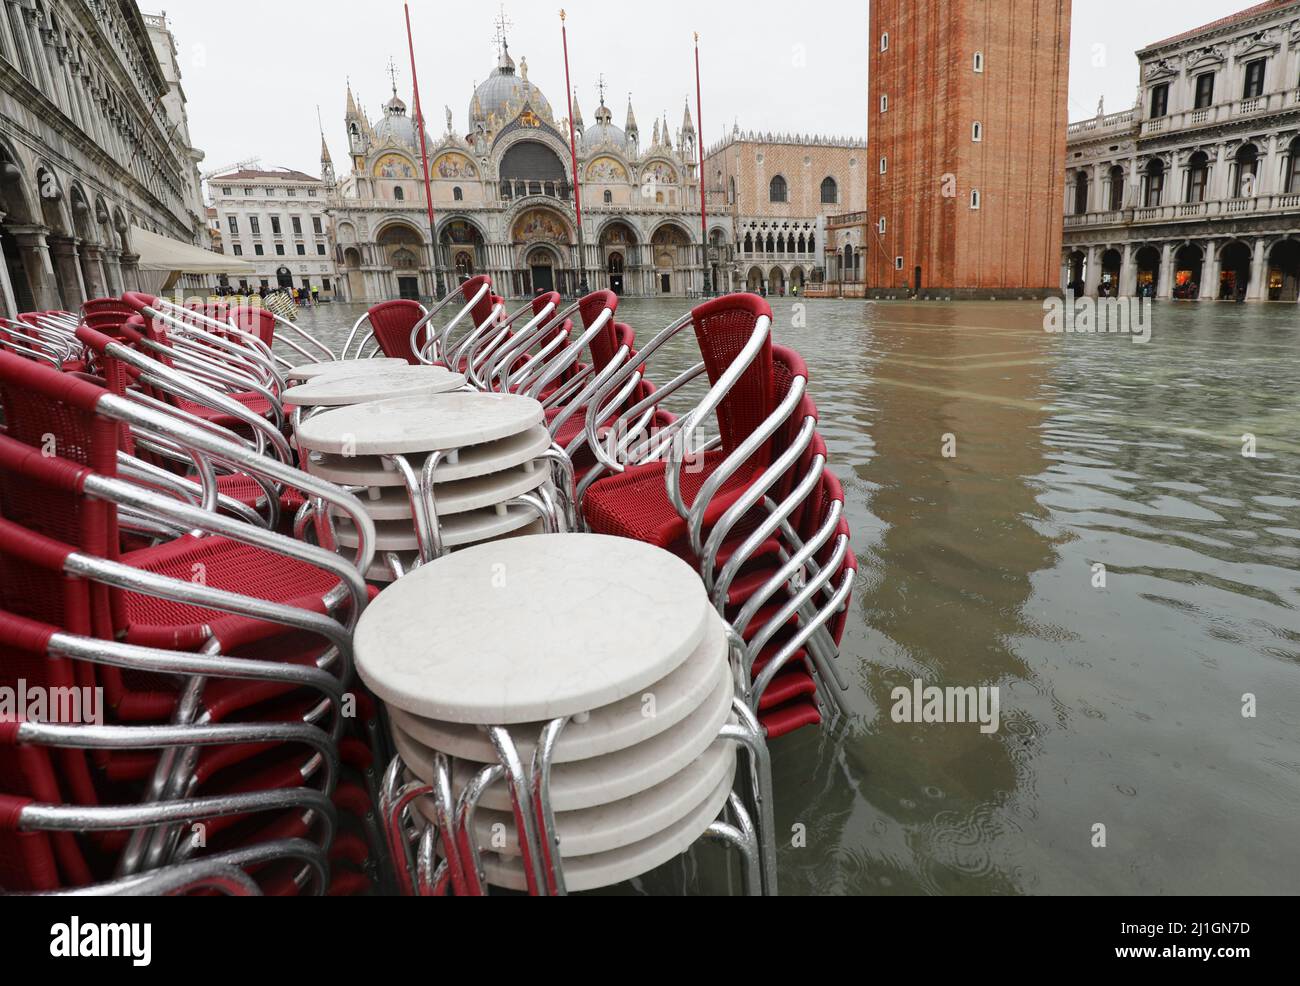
(176, 258)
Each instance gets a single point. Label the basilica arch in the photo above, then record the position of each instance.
(672, 256)
(402, 249)
(461, 246)
(620, 254)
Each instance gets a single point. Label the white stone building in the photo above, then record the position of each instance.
(1195, 192)
(503, 198)
(277, 220)
(93, 144)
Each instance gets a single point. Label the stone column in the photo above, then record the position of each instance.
(1166, 286)
(93, 270)
(37, 263)
(1258, 290)
(1128, 272)
(1218, 186)
(130, 271)
(1212, 267)
(1092, 275)
(1266, 183)
(113, 272)
(67, 268)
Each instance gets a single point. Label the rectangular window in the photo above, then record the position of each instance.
(247, 190)
(884, 165)
(239, 251)
(275, 225)
(898, 263)
(320, 248)
(978, 62)
(1204, 90)
(255, 225)
(233, 222)
(1159, 100)
(290, 191)
(311, 193)
(884, 104)
(301, 248)
(316, 226)
(1254, 78)
(225, 191)
(324, 283)
(279, 249)
(297, 225)
(883, 225)
(257, 249)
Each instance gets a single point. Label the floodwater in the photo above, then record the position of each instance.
(1125, 705)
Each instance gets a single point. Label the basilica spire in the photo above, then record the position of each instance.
(577, 114)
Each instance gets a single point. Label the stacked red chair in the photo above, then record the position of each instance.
(746, 509)
(221, 650)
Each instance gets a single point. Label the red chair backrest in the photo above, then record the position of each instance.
(483, 308)
(392, 322)
(605, 343)
(255, 321)
(722, 328)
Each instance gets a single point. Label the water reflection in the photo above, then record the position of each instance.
(1120, 706)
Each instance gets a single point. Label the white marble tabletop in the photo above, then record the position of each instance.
(605, 869)
(337, 389)
(598, 780)
(310, 371)
(472, 460)
(420, 424)
(531, 628)
(619, 823)
(621, 724)
(476, 493)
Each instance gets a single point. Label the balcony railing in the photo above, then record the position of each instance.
(1273, 102)
(1179, 211)
(1112, 121)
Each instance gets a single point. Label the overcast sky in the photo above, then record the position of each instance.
(255, 71)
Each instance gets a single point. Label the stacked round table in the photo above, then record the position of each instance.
(603, 650)
(437, 471)
(310, 371)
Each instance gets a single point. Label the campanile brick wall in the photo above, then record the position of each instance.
(1010, 246)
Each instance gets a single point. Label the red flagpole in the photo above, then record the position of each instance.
(573, 156)
(699, 129)
(424, 151)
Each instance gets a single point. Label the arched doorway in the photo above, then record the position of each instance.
(617, 240)
(754, 282)
(1116, 188)
(1188, 262)
(356, 280)
(541, 269)
(1147, 260)
(401, 247)
(283, 277)
(776, 281)
(1234, 266)
(670, 247)
(1080, 193)
(848, 264)
(1284, 271)
(1110, 265)
(15, 204)
(796, 280)
(462, 248)
(543, 240)
(1076, 270)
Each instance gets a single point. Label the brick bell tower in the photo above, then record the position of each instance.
(966, 147)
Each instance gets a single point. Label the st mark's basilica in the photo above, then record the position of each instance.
(504, 202)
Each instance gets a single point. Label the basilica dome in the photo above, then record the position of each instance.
(395, 125)
(503, 93)
(603, 132)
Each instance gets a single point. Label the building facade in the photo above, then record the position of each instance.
(1195, 192)
(768, 203)
(93, 143)
(277, 220)
(504, 201)
(967, 118)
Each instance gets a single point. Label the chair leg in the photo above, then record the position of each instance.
(744, 838)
